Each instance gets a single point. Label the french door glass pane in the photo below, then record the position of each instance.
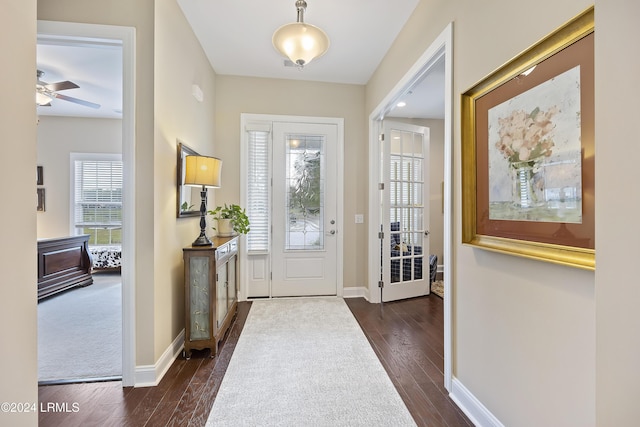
(304, 210)
(406, 186)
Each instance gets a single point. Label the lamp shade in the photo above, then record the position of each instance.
(300, 42)
(203, 171)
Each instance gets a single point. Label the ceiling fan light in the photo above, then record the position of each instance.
(42, 99)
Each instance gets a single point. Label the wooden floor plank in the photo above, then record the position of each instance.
(407, 336)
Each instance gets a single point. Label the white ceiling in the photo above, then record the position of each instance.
(94, 65)
(236, 37)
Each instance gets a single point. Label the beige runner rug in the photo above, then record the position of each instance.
(306, 362)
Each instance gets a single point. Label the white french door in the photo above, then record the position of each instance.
(304, 210)
(404, 205)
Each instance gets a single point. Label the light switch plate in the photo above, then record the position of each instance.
(359, 219)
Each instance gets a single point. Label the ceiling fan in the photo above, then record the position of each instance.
(45, 92)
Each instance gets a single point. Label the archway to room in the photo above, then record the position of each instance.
(123, 40)
(438, 54)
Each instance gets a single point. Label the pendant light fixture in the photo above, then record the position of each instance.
(300, 42)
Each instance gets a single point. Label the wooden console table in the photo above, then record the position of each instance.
(210, 293)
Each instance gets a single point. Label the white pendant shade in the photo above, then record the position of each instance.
(300, 42)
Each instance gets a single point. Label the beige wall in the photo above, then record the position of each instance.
(525, 340)
(179, 63)
(436, 180)
(18, 315)
(236, 95)
(618, 203)
(57, 138)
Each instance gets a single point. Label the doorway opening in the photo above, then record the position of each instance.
(64, 34)
(438, 53)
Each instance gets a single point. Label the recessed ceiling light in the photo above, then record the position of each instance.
(401, 104)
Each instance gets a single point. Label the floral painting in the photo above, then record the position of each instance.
(535, 153)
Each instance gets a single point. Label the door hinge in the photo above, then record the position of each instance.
(380, 235)
(381, 284)
(381, 137)
(381, 186)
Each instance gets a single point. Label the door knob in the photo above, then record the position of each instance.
(426, 232)
(332, 232)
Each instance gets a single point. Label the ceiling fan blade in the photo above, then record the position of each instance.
(77, 101)
(61, 86)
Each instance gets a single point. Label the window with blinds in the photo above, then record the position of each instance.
(258, 190)
(97, 205)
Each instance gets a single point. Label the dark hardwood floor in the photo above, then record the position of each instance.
(407, 336)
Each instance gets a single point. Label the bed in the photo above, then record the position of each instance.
(106, 257)
(63, 263)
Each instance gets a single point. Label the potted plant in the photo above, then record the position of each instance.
(232, 219)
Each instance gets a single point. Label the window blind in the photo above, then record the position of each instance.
(98, 200)
(258, 186)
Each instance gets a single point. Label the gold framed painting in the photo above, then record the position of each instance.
(528, 152)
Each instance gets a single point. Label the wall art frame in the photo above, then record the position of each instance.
(528, 152)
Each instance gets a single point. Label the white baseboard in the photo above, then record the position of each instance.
(356, 292)
(471, 406)
(150, 375)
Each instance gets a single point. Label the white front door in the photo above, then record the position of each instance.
(405, 210)
(304, 209)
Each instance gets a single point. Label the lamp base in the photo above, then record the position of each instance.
(202, 241)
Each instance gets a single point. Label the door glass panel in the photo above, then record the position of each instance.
(304, 209)
(406, 214)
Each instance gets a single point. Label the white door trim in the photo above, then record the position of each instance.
(270, 119)
(441, 46)
(127, 35)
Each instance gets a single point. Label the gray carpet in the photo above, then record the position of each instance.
(80, 332)
(305, 362)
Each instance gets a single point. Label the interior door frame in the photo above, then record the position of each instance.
(441, 46)
(269, 119)
(127, 35)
